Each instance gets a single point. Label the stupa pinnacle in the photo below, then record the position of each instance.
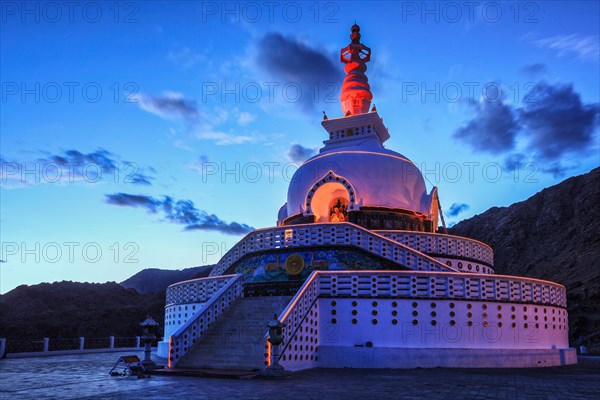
(356, 94)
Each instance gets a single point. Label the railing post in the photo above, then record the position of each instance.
(2, 347)
(46, 344)
(81, 343)
(111, 341)
(137, 341)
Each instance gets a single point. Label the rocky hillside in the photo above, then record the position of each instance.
(72, 309)
(553, 235)
(154, 280)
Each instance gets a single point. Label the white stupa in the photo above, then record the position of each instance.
(359, 274)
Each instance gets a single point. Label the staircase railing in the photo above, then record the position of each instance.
(326, 234)
(295, 315)
(297, 310)
(197, 290)
(195, 327)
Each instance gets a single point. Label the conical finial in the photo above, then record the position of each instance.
(356, 93)
(325, 116)
(355, 35)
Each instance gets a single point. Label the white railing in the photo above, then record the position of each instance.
(345, 233)
(424, 284)
(195, 290)
(437, 243)
(195, 327)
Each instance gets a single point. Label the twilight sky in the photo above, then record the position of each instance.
(149, 134)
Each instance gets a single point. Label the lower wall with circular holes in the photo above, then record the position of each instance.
(409, 333)
(441, 324)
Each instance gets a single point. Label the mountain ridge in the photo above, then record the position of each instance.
(553, 235)
(154, 280)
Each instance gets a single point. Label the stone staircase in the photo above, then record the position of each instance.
(236, 340)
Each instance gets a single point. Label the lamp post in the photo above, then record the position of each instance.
(275, 370)
(149, 325)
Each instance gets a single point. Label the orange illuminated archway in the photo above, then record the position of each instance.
(330, 199)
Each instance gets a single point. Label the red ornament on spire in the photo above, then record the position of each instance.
(356, 93)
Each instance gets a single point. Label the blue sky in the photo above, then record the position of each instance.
(150, 134)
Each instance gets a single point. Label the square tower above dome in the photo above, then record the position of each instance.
(360, 126)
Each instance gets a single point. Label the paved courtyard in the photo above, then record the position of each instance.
(86, 376)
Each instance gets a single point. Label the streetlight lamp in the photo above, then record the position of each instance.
(275, 370)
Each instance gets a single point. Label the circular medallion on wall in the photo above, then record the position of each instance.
(294, 264)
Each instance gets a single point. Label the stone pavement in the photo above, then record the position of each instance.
(86, 376)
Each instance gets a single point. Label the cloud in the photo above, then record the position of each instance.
(201, 125)
(140, 179)
(222, 138)
(533, 70)
(514, 161)
(290, 59)
(493, 128)
(586, 48)
(133, 200)
(457, 208)
(180, 144)
(298, 153)
(207, 129)
(72, 166)
(169, 105)
(201, 165)
(185, 58)
(295, 63)
(557, 169)
(557, 122)
(553, 124)
(182, 212)
(245, 118)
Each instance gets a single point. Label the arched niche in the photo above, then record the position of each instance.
(330, 199)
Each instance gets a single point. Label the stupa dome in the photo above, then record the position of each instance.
(379, 177)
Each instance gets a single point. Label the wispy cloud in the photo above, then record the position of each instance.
(244, 118)
(72, 166)
(200, 165)
(202, 125)
(182, 212)
(222, 138)
(185, 57)
(170, 105)
(586, 48)
(180, 144)
(209, 128)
